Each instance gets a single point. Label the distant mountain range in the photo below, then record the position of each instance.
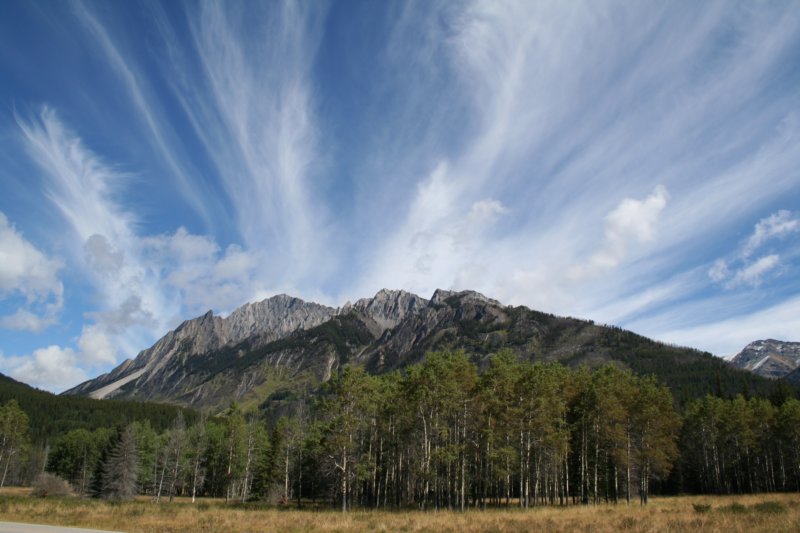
(772, 359)
(276, 352)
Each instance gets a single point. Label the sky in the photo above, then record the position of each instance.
(632, 163)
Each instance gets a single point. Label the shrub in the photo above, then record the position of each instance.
(701, 507)
(735, 508)
(770, 507)
(47, 484)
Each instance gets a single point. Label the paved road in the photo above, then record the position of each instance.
(14, 527)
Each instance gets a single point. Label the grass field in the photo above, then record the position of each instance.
(774, 512)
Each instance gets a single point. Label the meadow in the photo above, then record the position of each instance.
(724, 514)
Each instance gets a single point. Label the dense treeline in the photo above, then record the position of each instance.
(738, 445)
(441, 435)
(52, 415)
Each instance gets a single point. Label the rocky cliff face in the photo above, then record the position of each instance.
(388, 308)
(163, 366)
(275, 318)
(769, 358)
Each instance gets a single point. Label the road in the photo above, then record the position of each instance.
(14, 527)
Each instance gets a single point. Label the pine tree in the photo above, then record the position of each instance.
(120, 468)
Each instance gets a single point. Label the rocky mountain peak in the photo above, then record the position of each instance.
(769, 358)
(276, 317)
(440, 296)
(389, 307)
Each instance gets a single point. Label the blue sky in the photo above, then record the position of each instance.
(637, 164)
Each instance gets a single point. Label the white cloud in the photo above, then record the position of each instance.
(719, 271)
(159, 132)
(205, 277)
(739, 270)
(27, 271)
(486, 211)
(96, 345)
(256, 118)
(776, 225)
(145, 284)
(442, 242)
(633, 222)
(25, 320)
(52, 368)
(753, 273)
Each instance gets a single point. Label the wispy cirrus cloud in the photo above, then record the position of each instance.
(778, 225)
(580, 119)
(160, 134)
(574, 157)
(256, 118)
(751, 304)
(145, 283)
(103, 241)
(739, 269)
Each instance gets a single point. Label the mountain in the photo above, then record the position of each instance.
(273, 353)
(162, 367)
(769, 358)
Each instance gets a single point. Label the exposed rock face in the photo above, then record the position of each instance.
(389, 308)
(769, 358)
(162, 366)
(445, 321)
(275, 317)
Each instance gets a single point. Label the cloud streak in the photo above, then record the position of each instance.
(256, 119)
(740, 269)
(159, 134)
(582, 119)
(145, 283)
(777, 225)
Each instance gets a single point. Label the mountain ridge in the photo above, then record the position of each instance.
(770, 358)
(275, 351)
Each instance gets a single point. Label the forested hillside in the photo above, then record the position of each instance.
(52, 415)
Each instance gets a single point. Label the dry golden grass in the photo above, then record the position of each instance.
(773, 513)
